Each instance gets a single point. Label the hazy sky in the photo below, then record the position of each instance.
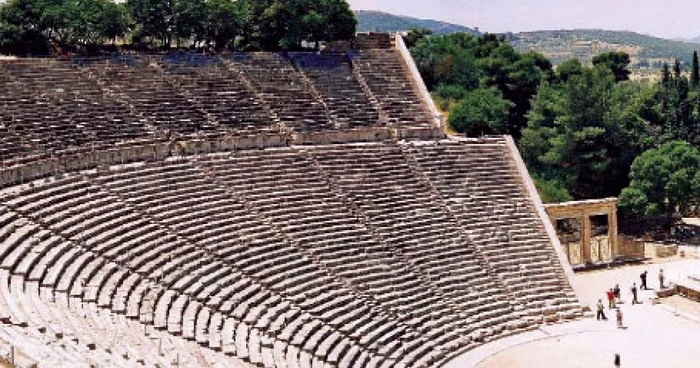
(663, 18)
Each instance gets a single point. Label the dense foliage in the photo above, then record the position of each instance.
(38, 26)
(591, 134)
(664, 180)
(585, 132)
(482, 68)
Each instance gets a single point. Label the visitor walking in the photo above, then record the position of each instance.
(643, 277)
(619, 318)
(617, 360)
(661, 278)
(616, 291)
(601, 314)
(611, 298)
(634, 294)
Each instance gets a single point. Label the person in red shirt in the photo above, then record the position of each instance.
(611, 298)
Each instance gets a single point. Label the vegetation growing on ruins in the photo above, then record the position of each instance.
(42, 26)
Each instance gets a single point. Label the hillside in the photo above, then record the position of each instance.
(369, 20)
(646, 51)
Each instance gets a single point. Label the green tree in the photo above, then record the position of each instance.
(445, 60)
(695, 72)
(63, 24)
(484, 62)
(665, 74)
(523, 79)
(155, 19)
(21, 28)
(568, 69)
(616, 62)
(447, 96)
(480, 112)
(680, 122)
(415, 35)
(551, 191)
(224, 22)
(663, 180)
(115, 21)
(278, 24)
(586, 132)
(188, 23)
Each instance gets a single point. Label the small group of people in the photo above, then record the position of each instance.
(601, 313)
(614, 296)
(643, 278)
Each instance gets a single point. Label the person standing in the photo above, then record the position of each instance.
(617, 360)
(661, 278)
(616, 291)
(634, 294)
(643, 277)
(611, 298)
(601, 314)
(619, 318)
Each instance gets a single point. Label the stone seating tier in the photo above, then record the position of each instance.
(49, 107)
(347, 255)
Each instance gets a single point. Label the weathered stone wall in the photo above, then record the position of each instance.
(342, 136)
(665, 250)
(629, 247)
(152, 151)
(69, 162)
(372, 40)
(689, 293)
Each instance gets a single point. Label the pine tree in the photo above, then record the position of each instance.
(665, 76)
(695, 72)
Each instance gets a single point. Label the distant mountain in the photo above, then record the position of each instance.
(370, 20)
(694, 39)
(645, 51)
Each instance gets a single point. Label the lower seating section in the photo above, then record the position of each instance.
(487, 198)
(350, 255)
(403, 211)
(52, 329)
(283, 187)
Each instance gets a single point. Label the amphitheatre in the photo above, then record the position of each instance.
(297, 209)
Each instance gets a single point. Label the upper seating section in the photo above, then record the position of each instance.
(50, 106)
(221, 92)
(347, 100)
(283, 89)
(384, 73)
(142, 85)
